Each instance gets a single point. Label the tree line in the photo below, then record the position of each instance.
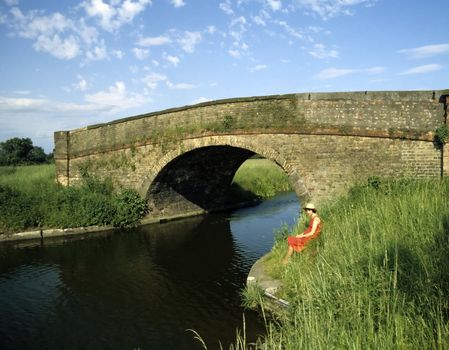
(21, 151)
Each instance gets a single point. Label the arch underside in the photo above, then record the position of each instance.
(196, 181)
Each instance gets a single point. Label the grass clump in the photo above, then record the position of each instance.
(377, 278)
(30, 199)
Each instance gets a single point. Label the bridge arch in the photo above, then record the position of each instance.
(196, 176)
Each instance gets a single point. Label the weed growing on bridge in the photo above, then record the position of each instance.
(377, 278)
(441, 135)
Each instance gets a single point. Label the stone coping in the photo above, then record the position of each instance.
(270, 286)
(51, 233)
(392, 95)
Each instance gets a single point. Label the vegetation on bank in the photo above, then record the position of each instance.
(377, 278)
(30, 199)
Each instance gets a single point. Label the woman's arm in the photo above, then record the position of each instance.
(315, 222)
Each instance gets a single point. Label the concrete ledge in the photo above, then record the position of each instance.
(50, 233)
(270, 287)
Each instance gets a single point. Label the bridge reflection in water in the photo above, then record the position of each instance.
(140, 288)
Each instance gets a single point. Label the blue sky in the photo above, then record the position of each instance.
(68, 64)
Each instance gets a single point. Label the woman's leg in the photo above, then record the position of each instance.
(288, 255)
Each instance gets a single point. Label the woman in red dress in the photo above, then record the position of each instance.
(297, 243)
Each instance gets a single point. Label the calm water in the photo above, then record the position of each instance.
(143, 288)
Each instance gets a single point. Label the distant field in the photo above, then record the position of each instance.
(262, 177)
(24, 177)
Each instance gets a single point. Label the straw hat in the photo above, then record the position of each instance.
(310, 206)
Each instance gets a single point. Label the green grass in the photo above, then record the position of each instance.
(378, 276)
(27, 177)
(31, 199)
(262, 177)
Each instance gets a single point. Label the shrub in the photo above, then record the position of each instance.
(130, 208)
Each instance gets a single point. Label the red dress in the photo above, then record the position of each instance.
(299, 243)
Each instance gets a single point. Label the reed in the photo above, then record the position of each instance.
(377, 277)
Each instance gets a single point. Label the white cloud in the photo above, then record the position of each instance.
(259, 20)
(22, 92)
(327, 9)
(211, 29)
(38, 118)
(65, 49)
(88, 34)
(152, 80)
(174, 60)
(42, 105)
(141, 54)
(332, 73)
(98, 53)
(239, 49)
(226, 7)
(58, 35)
(375, 70)
(178, 3)
(319, 51)
(426, 51)
(274, 4)
(258, 67)
(234, 53)
(427, 68)
(179, 85)
(290, 30)
(189, 40)
(115, 98)
(34, 25)
(201, 100)
(154, 41)
(113, 15)
(12, 2)
(81, 84)
(118, 54)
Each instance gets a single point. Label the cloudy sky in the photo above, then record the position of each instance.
(67, 64)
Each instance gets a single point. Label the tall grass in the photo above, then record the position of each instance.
(377, 278)
(27, 177)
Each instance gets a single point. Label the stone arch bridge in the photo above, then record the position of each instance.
(184, 159)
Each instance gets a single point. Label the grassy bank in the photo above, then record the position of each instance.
(30, 198)
(377, 278)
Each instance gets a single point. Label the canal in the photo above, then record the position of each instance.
(144, 288)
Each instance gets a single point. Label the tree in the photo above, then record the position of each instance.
(20, 151)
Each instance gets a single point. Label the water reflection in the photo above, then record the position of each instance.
(141, 288)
